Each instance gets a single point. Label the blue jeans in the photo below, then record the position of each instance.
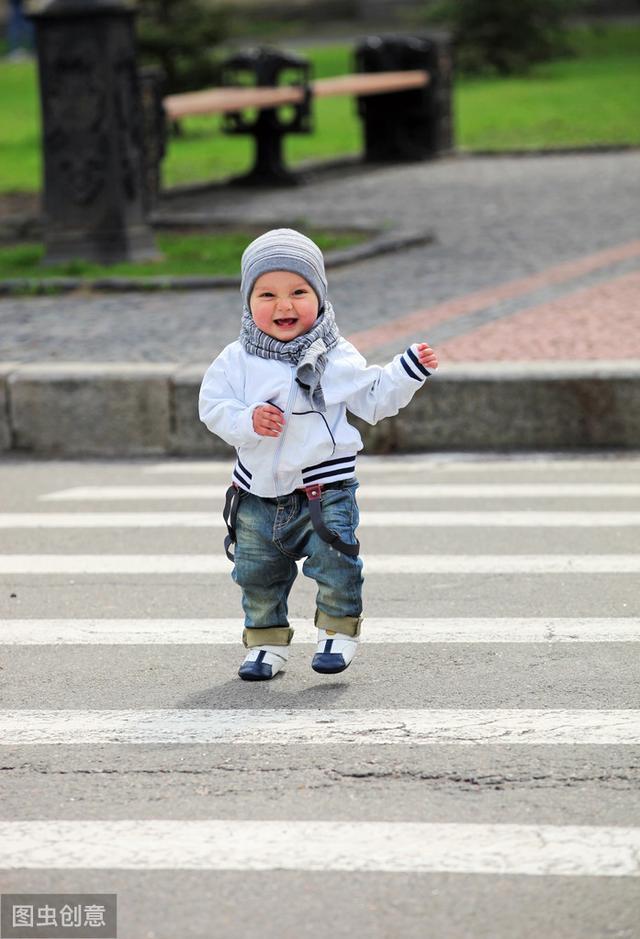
(272, 534)
(19, 28)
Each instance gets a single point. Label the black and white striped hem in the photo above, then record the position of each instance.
(330, 471)
(412, 366)
(242, 476)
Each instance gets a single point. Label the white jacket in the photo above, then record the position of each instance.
(313, 447)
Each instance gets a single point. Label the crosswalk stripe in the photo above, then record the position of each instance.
(437, 519)
(254, 845)
(461, 462)
(188, 468)
(375, 630)
(375, 564)
(384, 491)
(404, 726)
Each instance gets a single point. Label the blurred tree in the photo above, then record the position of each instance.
(181, 36)
(505, 36)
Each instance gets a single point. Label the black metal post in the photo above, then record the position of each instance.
(94, 203)
(155, 132)
(414, 124)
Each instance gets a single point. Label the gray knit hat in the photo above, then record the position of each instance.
(283, 249)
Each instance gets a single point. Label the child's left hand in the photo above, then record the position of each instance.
(427, 356)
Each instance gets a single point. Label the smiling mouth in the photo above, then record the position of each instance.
(285, 323)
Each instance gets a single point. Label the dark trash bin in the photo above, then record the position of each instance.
(415, 124)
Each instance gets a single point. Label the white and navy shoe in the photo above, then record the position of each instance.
(335, 652)
(263, 662)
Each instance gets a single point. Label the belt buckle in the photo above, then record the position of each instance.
(313, 493)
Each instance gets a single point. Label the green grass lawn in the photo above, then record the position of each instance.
(19, 127)
(590, 99)
(593, 98)
(188, 253)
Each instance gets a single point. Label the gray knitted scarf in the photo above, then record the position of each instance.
(308, 352)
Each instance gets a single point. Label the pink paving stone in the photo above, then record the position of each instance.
(601, 322)
(421, 320)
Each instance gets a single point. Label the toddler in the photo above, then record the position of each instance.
(279, 394)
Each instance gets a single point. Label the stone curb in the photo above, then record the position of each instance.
(384, 243)
(585, 150)
(120, 409)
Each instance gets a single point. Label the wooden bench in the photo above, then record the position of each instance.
(230, 99)
(268, 130)
(402, 85)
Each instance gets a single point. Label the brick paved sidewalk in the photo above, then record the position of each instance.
(505, 323)
(535, 258)
(600, 322)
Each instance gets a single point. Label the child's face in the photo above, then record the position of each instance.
(283, 305)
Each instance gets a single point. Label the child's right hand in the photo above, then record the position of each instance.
(268, 420)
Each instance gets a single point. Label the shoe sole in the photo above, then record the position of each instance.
(326, 669)
(257, 674)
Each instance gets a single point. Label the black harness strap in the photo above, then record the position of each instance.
(314, 496)
(229, 513)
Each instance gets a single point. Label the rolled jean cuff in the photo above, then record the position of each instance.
(347, 625)
(266, 636)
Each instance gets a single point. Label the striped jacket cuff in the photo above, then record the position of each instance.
(412, 365)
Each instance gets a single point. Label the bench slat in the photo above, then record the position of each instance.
(222, 100)
(369, 83)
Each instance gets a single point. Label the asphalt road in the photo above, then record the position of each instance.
(475, 773)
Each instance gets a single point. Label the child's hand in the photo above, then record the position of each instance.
(427, 356)
(268, 420)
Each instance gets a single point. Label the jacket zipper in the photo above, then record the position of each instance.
(287, 414)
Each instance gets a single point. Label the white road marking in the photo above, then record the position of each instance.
(405, 726)
(375, 630)
(255, 845)
(189, 468)
(116, 519)
(127, 564)
(436, 519)
(463, 462)
(384, 491)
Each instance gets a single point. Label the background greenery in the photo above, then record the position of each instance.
(184, 253)
(503, 37)
(181, 38)
(590, 98)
